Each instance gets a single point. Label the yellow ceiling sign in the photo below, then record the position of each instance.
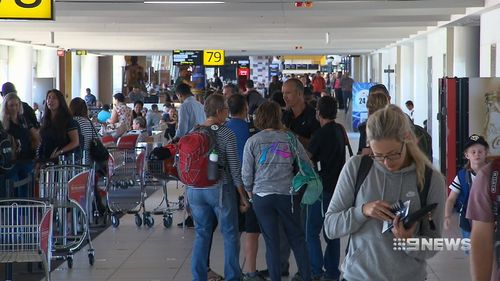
(313, 59)
(26, 9)
(213, 57)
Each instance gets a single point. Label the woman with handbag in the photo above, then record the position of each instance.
(78, 108)
(27, 139)
(267, 173)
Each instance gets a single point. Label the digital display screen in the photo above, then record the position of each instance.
(188, 57)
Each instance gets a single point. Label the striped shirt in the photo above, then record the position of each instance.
(86, 133)
(455, 185)
(228, 156)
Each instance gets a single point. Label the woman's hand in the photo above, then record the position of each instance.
(56, 153)
(400, 231)
(378, 210)
(244, 205)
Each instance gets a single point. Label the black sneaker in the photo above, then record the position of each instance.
(297, 277)
(188, 222)
(265, 273)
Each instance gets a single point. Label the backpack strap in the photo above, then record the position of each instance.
(347, 143)
(427, 183)
(363, 170)
(423, 194)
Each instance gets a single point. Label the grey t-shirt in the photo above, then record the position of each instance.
(268, 163)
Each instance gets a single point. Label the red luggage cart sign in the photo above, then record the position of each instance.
(128, 141)
(77, 188)
(45, 232)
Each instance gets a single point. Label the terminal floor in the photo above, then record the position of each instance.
(159, 254)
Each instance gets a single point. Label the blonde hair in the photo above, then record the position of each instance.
(391, 123)
(376, 101)
(4, 116)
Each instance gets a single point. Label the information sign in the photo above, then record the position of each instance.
(183, 57)
(213, 57)
(26, 9)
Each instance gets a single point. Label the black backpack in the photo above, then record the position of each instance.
(424, 140)
(6, 151)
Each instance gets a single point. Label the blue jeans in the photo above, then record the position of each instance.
(271, 210)
(465, 234)
(21, 171)
(207, 206)
(330, 259)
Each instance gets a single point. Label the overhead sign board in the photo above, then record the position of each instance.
(213, 57)
(27, 9)
(81, 52)
(188, 57)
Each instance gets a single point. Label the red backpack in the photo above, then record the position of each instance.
(194, 149)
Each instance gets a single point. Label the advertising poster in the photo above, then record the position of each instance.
(359, 97)
(198, 76)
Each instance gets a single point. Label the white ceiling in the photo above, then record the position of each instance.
(256, 26)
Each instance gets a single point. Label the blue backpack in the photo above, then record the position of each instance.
(465, 179)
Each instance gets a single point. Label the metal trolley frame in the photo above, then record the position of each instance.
(25, 233)
(127, 172)
(69, 189)
(165, 171)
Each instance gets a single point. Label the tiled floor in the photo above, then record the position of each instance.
(141, 254)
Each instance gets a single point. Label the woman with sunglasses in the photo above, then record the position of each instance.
(397, 173)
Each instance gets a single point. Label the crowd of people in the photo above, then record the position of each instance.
(259, 141)
(44, 134)
(259, 157)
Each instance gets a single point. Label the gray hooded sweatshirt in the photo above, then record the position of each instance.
(371, 255)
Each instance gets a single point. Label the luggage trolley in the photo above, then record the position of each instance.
(163, 169)
(25, 233)
(127, 181)
(69, 188)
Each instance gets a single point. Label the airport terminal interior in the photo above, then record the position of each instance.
(119, 74)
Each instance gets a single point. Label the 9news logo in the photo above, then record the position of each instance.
(431, 244)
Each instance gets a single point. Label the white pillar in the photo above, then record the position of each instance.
(364, 68)
(466, 51)
(356, 68)
(46, 65)
(21, 71)
(75, 76)
(118, 64)
(406, 66)
(420, 78)
(89, 75)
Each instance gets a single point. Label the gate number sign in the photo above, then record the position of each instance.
(213, 57)
(26, 9)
